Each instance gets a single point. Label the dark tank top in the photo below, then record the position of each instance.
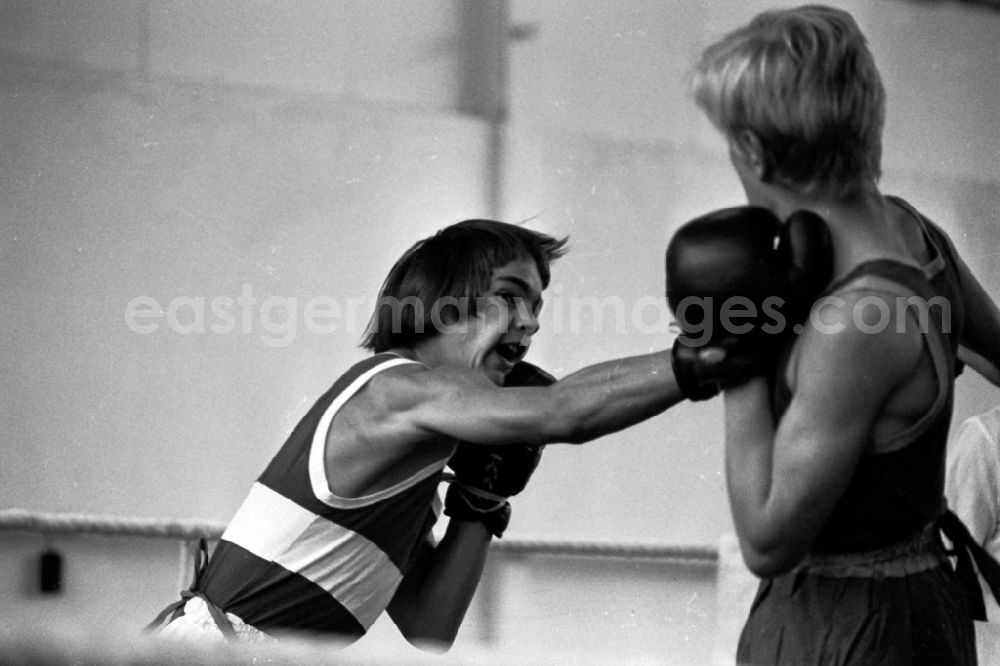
(891, 496)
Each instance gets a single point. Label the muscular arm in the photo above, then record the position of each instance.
(432, 600)
(784, 481)
(597, 400)
(980, 343)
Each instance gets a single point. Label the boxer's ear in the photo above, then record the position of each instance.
(746, 147)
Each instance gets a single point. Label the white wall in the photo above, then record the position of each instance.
(182, 150)
(184, 188)
(607, 146)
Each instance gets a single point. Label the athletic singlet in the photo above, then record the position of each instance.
(892, 496)
(297, 557)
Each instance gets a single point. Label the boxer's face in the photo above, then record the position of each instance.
(499, 334)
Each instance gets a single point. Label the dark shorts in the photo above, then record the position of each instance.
(830, 614)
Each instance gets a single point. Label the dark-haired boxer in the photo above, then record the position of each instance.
(338, 528)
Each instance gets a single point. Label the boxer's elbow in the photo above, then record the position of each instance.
(436, 638)
(766, 560)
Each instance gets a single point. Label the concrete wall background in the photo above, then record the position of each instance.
(273, 159)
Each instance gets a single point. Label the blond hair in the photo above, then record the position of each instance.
(804, 82)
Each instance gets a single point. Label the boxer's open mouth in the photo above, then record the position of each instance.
(511, 351)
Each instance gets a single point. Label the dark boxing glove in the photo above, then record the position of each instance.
(485, 476)
(702, 372)
(740, 283)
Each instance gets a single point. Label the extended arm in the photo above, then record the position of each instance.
(597, 400)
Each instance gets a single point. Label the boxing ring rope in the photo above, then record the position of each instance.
(52, 643)
(78, 523)
(189, 531)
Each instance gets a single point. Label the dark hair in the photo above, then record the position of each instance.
(453, 266)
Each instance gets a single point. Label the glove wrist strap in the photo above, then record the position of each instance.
(463, 502)
(684, 362)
